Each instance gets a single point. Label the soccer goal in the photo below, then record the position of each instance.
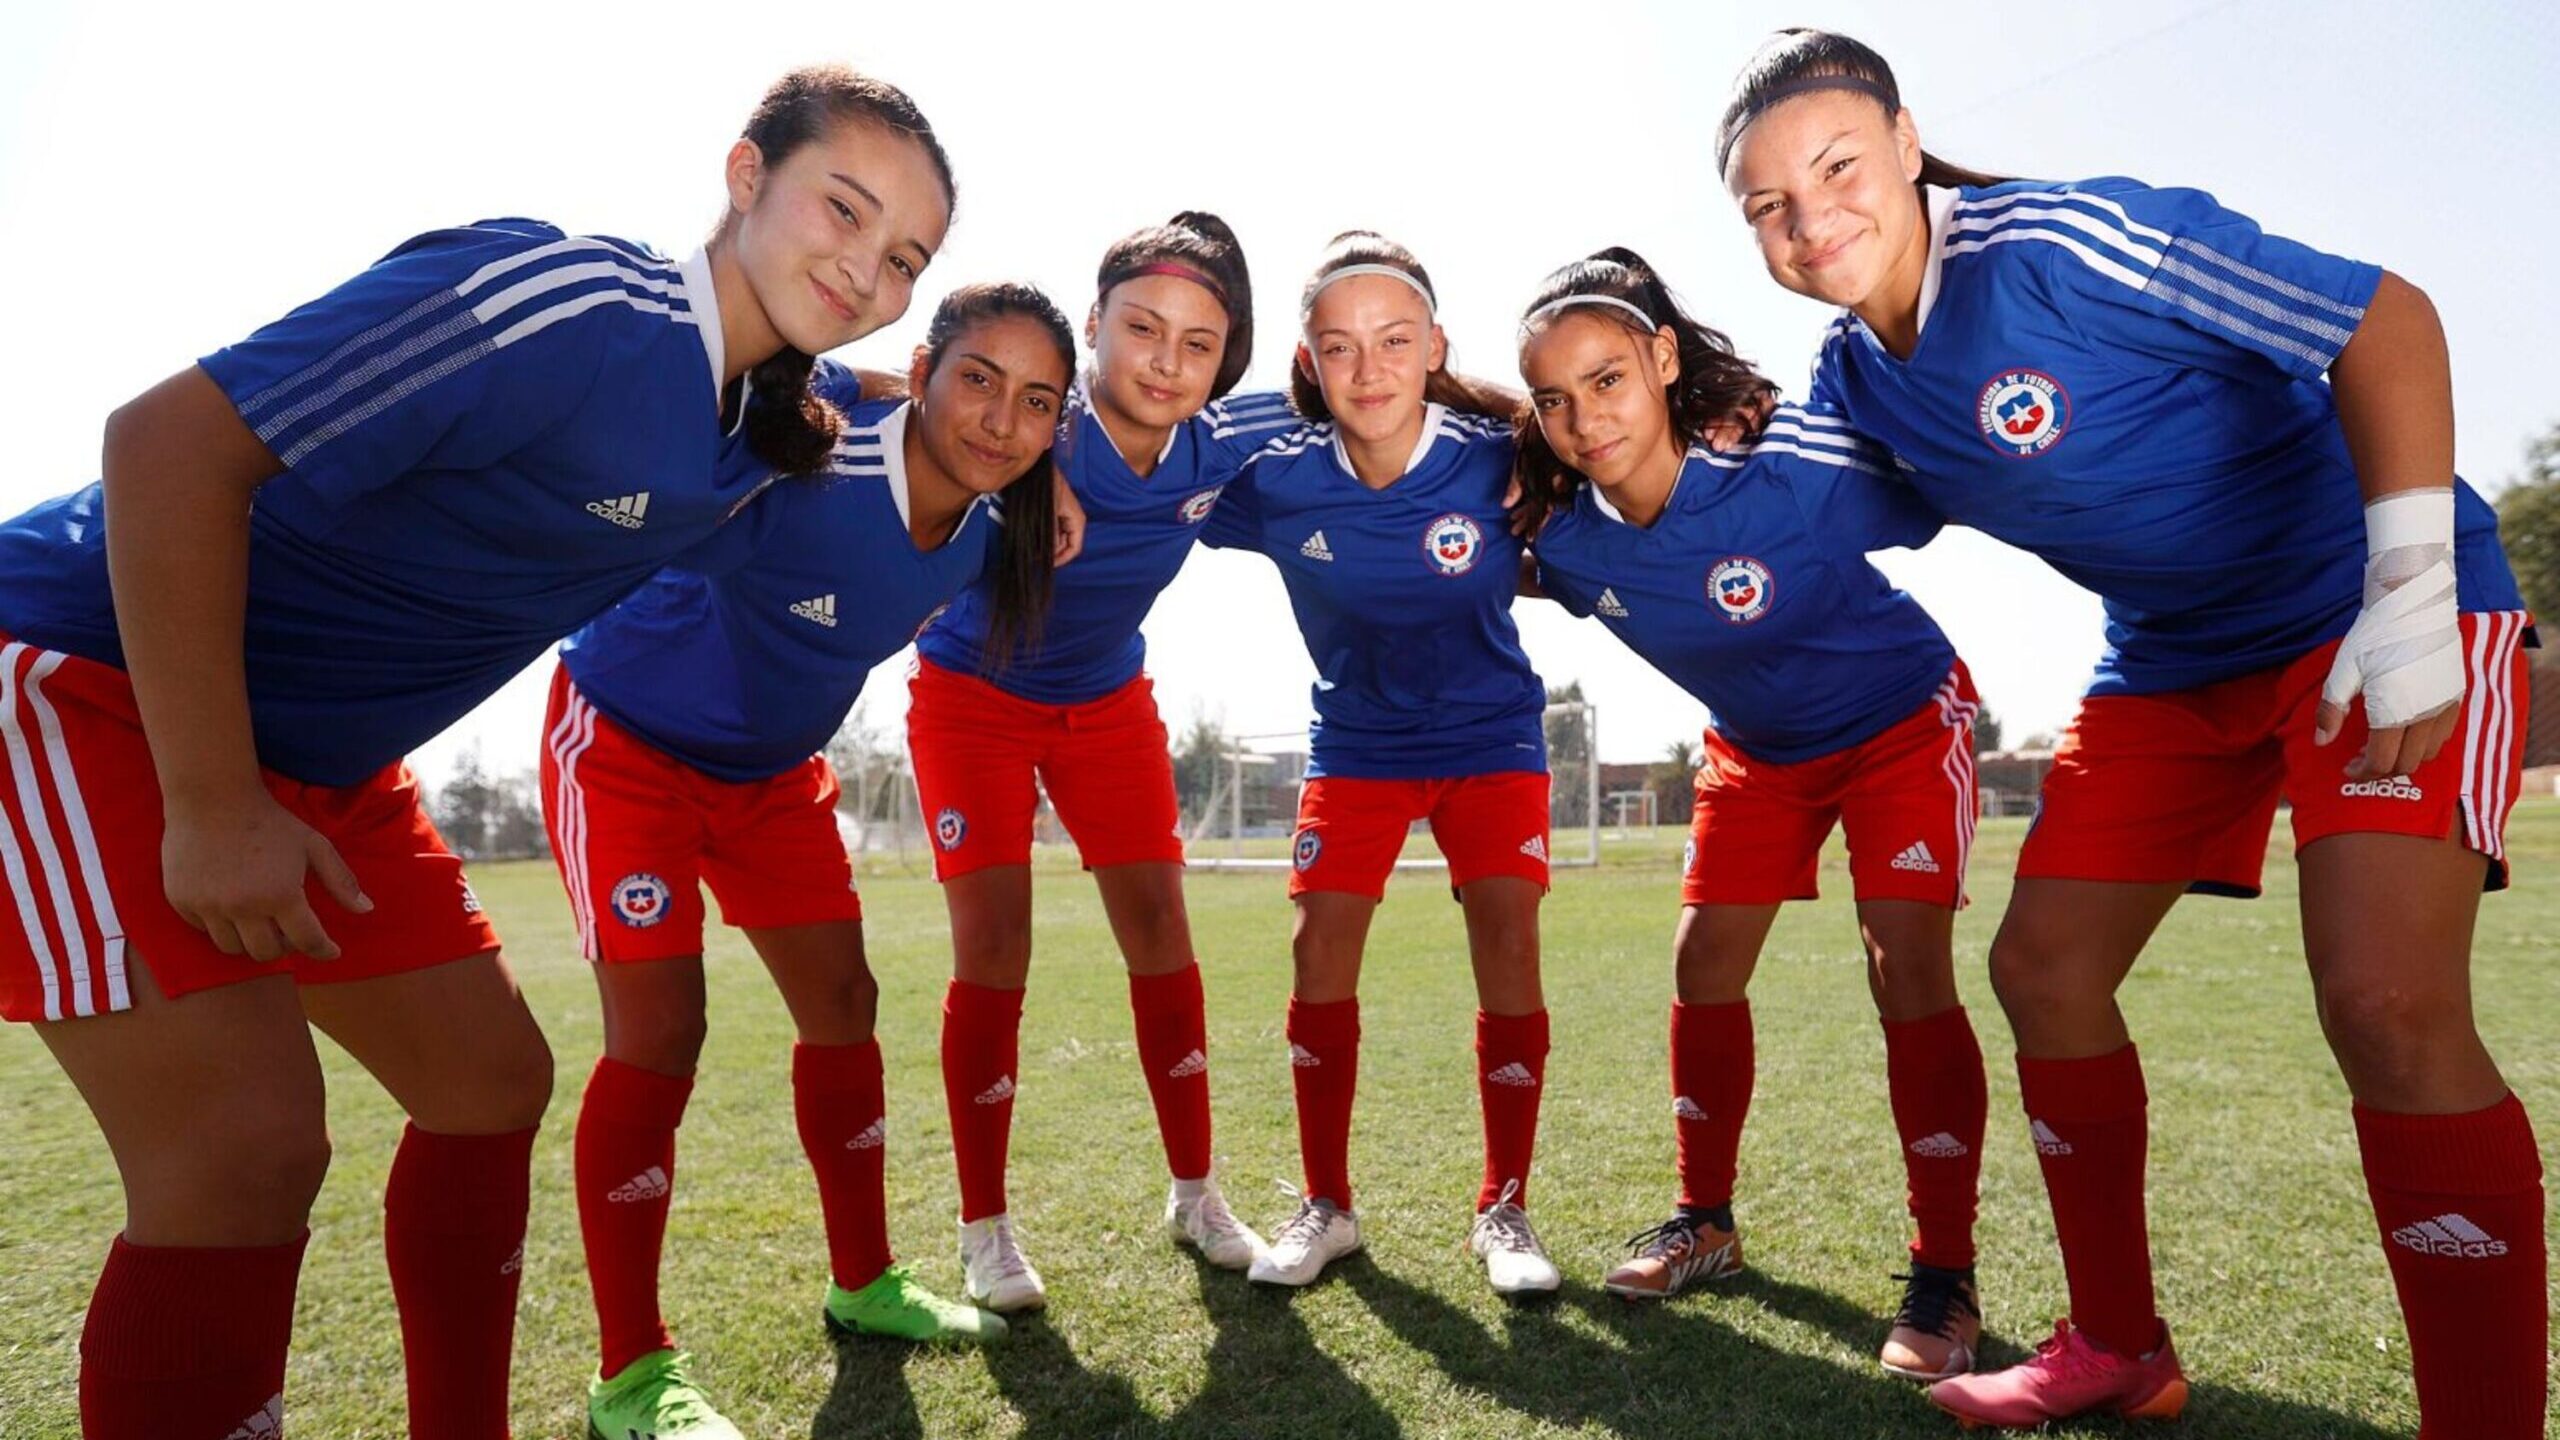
(1251, 813)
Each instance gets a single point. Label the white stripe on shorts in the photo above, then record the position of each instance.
(84, 840)
(30, 814)
(569, 740)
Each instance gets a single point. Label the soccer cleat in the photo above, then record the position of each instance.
(1515, 1262)
(896, 1306)
(1314, 1237)
(1674, 1255)
(653, 1399)
(1203, 1222)
(1935, 1331)
(2068, 1375)
(998, 1276)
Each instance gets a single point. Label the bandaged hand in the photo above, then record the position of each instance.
(2404, 652)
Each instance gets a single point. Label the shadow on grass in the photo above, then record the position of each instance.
(870, 1397)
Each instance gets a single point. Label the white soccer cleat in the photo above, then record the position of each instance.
(998, 1275)
(1515, 1261)
(1314, 1237)
(1202, 1221)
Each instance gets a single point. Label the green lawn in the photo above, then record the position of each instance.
(2267, 1256)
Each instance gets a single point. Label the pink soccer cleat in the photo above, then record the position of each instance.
(2068, 1375)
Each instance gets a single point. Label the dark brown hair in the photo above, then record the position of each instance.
(1444, 385)
(1714, 383)
(1026, 564)
(1792, 61)
(787, 425)
(1196, 241)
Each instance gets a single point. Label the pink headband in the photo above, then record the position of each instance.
(1178, 272)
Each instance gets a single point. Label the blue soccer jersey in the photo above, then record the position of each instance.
(1752, 590)
(1138, 531)
(1403, 596)
(488, 437)
(2127, 382)
(744, 658)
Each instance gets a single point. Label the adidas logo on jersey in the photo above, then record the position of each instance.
(1610, 605)
(1685, 1108)
(1303, 1058)
(2047, 1143)
(470, 900)
(1315, 548)
(267, 1424)
(1941, 1146)
(2396, 787)
(873, 1136)
(1535, 847)
(2452, 1236)
(1192, 1064)
(1917, 857)
(998, 1093)
(821, 609)
(649, 1184)
(1514, 1074)
(629, 511)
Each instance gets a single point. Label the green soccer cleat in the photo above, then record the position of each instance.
(896, 1306)
(653, 1399)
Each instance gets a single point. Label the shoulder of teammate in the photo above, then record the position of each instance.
(461, 345)
(1235, 522)
(1559, 542)
(1231, 430)
(2172, 271)
(1848, 488)
(839, 385)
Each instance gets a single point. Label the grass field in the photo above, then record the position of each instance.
(2268, 1263)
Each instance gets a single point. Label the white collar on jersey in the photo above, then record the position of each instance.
(1084, 393)
(1432, 415)
(1940, 202)
(893, 457)
(705, 301)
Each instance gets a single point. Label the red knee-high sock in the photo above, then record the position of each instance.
(2459, 1199)
(981, 1043)
(838, 1098)
(453, 1221)
(2091, 1123)
(1933, 1071)
(1711, 1072)
(155, 1364)
(1324, 1069)
(626, 1166)
(1511, 1075)
(1173, 1045)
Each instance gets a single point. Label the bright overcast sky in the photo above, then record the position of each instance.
(171, 179)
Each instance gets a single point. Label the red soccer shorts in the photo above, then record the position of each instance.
(636, 832)
(1350, 829)
(983, 756)
(80, 857)
(1906, 797)
(2182, 786)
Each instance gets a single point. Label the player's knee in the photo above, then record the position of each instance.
(667, 1042)
(2031, 979)
(244, 1178)
(2381, 1027)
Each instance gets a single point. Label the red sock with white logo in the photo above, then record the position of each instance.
(1173, 1046)
(453, 1220)
(183, 1341)
(981, 1043)
(841, 1104)
(1511, 1077)
(2459, 1198)
(2091, 1123)
(1933, 1071)
(626, 1169)
(1711, 1074)
(1324, 1070)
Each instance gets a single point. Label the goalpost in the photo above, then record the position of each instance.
(1251, 814)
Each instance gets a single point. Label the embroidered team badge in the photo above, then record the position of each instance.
(2023, 412)
(1740, 588)
(1197, 508)
(1310, 845)
(1453, 542)
(640, 900)
(950, 827)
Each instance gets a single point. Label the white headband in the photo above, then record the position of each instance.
(1551, 307)
(1429, 302)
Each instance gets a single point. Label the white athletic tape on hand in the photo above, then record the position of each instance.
(2404, 651)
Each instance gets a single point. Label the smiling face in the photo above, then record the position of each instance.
(989, 411)
(1157, 341)
(1826, 181)
(1371, 347)
(832, 238)
(1597, 388)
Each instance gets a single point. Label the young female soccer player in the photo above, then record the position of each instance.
(994, 721)
(1386, 520)
(311, 551)
(1743, 576)
(2126, 381)
(686, 743)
